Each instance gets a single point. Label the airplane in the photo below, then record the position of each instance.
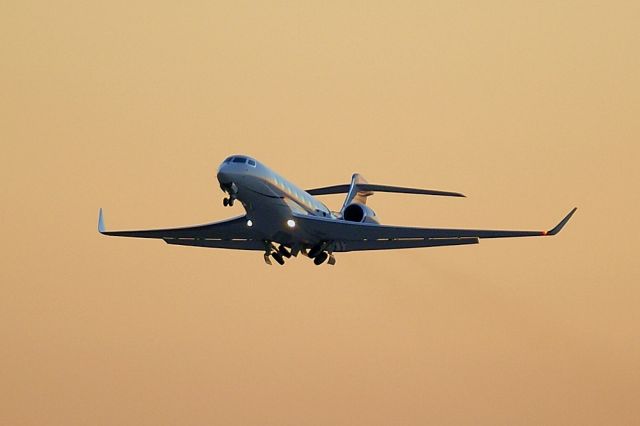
(283, 220)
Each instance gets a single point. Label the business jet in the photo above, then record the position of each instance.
(283, 220)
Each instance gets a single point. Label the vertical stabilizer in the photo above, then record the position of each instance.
(355, 195)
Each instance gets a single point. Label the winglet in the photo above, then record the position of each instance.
(100, 222)
(562, 223)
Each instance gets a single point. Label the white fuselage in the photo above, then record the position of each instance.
(269, 199)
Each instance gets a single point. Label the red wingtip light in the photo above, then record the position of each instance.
(545, 232)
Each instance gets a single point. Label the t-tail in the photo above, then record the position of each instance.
(355, 209)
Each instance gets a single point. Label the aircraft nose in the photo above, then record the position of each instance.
(223, 173)
(224, 177)
(228, 174)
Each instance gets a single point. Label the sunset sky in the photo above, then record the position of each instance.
(528, 108)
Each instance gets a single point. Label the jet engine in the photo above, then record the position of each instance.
(357, 212)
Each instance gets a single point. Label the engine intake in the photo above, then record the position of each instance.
(356, 212)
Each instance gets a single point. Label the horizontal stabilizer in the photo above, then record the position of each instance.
(370, 187)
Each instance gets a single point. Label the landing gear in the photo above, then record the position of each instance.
(278, 257)
(284, 251)
(281, 252)
(315, 250)
(277, 254)
(231, 189)
(320, 258)
(321, 252)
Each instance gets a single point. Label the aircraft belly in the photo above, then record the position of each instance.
(269, 212)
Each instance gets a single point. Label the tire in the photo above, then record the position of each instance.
(314, 251)
(319, 259)
(284, 251)
(278, 258)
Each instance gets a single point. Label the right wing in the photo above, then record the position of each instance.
(232, 234)
(349, 236)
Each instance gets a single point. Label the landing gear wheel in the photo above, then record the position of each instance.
(277, 257)
(231, 202)
(315, 251)
(284, 251)
(225, 202)
(319, 259)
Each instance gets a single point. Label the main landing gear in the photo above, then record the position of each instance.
(278, 254)
(320, 253)
(320, 258)
(278, 257)
(283, 251)
(228, 201)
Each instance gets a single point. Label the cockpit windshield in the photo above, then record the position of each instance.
(238, 159)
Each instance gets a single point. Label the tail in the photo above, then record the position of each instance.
(360, 189)
(356, 193)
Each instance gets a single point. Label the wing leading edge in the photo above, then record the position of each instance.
(349, 236)
(232, 234)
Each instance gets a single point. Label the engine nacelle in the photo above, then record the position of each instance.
(356, 212)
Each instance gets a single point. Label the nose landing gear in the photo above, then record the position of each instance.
(232, 190)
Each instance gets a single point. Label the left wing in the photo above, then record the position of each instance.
(349, 236)
(232, 234)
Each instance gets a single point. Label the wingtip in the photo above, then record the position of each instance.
(100, 222)
(562, 223)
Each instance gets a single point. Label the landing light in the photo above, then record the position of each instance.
(291, 223)
(249, 223)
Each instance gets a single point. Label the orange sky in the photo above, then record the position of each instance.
(529, 109)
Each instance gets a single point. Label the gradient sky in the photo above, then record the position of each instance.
(529, 109)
